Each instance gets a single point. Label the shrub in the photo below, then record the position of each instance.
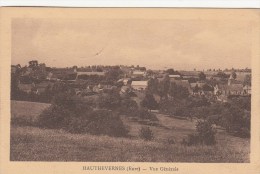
(205, 135)
(128, 106)
(143, 114)
(76, 117)
(192, 139)
(111, 101)
(55, 117)
(146, 133)
(104, 122)
(171, 141)
(149, 102)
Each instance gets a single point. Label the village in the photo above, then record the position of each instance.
(218, 85)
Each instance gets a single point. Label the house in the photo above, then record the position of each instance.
(234, 89)
(70, 77)
(198, 84)
(139, 85)
(201, 88)
(52, 77)
(125, 90)
(176, 76)
(138, 74)
(232, 81)
(91, 73)
(125, 81)
(247, 89)
(98, 88)
(25, 87)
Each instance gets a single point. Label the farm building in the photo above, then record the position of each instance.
(176, 76)
(247, 89)
(138, 74)
(139, 85)
(234, 89)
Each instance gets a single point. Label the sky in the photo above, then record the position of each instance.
(154, 43)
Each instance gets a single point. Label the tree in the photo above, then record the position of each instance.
(33, 64)
(202, 76)
(196, 88)
(222, 75)
(128, 106)
(153, 86)
(247, 80)
(149, 102)
(170, 71)
(111, 101)
(163, 87)
(207, 87)
(14, 86)
(114, 73)
(234, 75)
(177, 91)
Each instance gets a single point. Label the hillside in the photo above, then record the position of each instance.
(35, 144)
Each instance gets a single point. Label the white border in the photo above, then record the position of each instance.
(136, 3)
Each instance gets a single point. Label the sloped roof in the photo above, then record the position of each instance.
(248, 87)
(232, 87)
(91, 73)
(138, 73)
(174, 76)
(233, 81)
(139, 83)
(200, 84)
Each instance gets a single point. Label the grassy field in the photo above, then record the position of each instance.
(27, 110)
(34, 144)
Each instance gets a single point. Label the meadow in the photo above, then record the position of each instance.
(31, 143)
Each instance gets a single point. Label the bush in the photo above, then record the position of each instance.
(171, 141)
(128, 106)
(206, 132)
(192, 139)
(205, 135)
(55, 117)
(76, 117)
(145, 114)
(146, 133)
(107, 123)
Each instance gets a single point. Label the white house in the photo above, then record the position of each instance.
(139, 85)
(176, 76)
(138, 74)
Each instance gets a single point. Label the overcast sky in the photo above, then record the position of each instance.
(154, 43)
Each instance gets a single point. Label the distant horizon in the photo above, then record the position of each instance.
(165, 68)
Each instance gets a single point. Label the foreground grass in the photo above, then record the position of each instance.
(30, 143)
(34, 144)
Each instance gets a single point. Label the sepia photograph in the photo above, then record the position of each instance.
(159, 87)
(137, 90)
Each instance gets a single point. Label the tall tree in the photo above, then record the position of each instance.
(247, 80)
(170, 71)
(234, 75)
(163, 87)
(202, 76)
(149, 102)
